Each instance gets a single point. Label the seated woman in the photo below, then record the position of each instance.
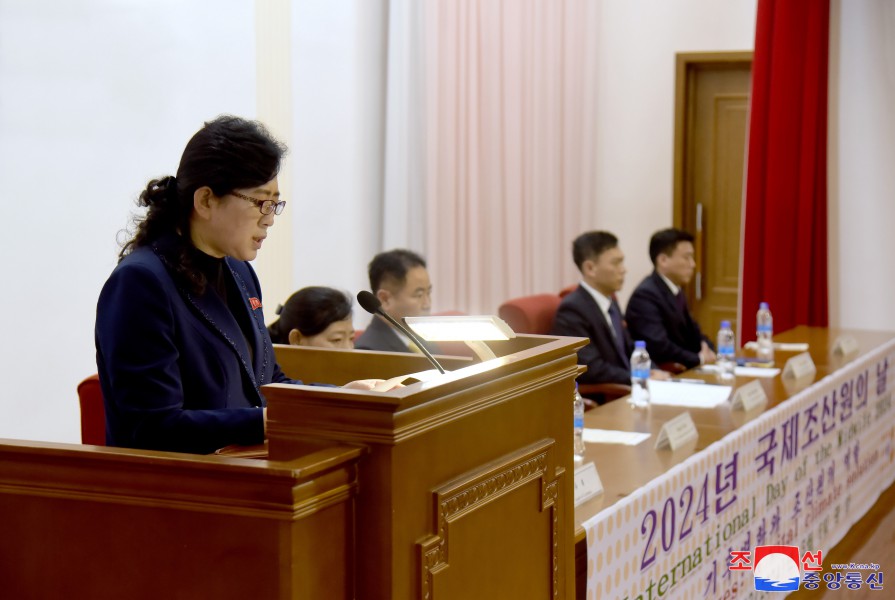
(181, 346)
(315, 316)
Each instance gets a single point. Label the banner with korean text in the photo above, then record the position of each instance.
(801, 475)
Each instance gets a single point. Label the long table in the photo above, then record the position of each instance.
(798, 471)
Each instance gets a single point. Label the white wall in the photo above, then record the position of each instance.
(273, 76)
(95, 99)
(861, 159)
(637, 43)
(339, 89)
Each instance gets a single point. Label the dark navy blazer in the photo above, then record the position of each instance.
(653, 316)
(579, 315)
(174, 367)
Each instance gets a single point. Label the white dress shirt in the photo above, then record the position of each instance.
(604, 303)
(675, 290)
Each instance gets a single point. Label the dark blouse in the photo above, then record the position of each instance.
(220, 281)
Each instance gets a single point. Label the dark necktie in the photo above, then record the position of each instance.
(616, 318)
(681, 300)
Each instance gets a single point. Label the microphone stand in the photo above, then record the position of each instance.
(372, 305)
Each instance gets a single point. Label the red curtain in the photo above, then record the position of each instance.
(784, 254)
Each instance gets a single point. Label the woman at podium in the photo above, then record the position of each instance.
(181, 345)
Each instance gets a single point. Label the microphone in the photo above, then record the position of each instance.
(370, 303)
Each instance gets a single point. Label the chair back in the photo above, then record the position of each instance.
(530, 314)
(568, 290)
(93, 412)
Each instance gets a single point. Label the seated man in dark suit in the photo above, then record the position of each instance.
(401, 282)
(657, 310)
(592, 311)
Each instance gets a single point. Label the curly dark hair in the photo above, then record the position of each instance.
(228, 153)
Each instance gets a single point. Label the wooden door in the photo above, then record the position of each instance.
(711, 119)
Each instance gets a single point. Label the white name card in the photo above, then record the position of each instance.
(845, 345)
(677, 432)
(587, 483)
(799, 366)
(749, 396)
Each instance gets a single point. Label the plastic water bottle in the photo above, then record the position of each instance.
(764, 333)
(579, 425)
(726, 360)
(640, 369)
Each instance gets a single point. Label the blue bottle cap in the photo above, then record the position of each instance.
(640, 344)
(763, 306)
(725, 324)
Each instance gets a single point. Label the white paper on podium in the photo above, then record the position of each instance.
(675, 393)
(608, 436)
(421, 376)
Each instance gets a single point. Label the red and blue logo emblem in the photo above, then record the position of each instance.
(777, 568)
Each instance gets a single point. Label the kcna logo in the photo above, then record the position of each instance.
(776, 568)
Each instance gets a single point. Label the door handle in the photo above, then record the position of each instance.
(698, 251)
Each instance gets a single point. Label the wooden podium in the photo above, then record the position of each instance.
(108, 523)
(466, 491)
(457, 488)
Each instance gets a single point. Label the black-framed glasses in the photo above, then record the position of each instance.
(265, 206)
